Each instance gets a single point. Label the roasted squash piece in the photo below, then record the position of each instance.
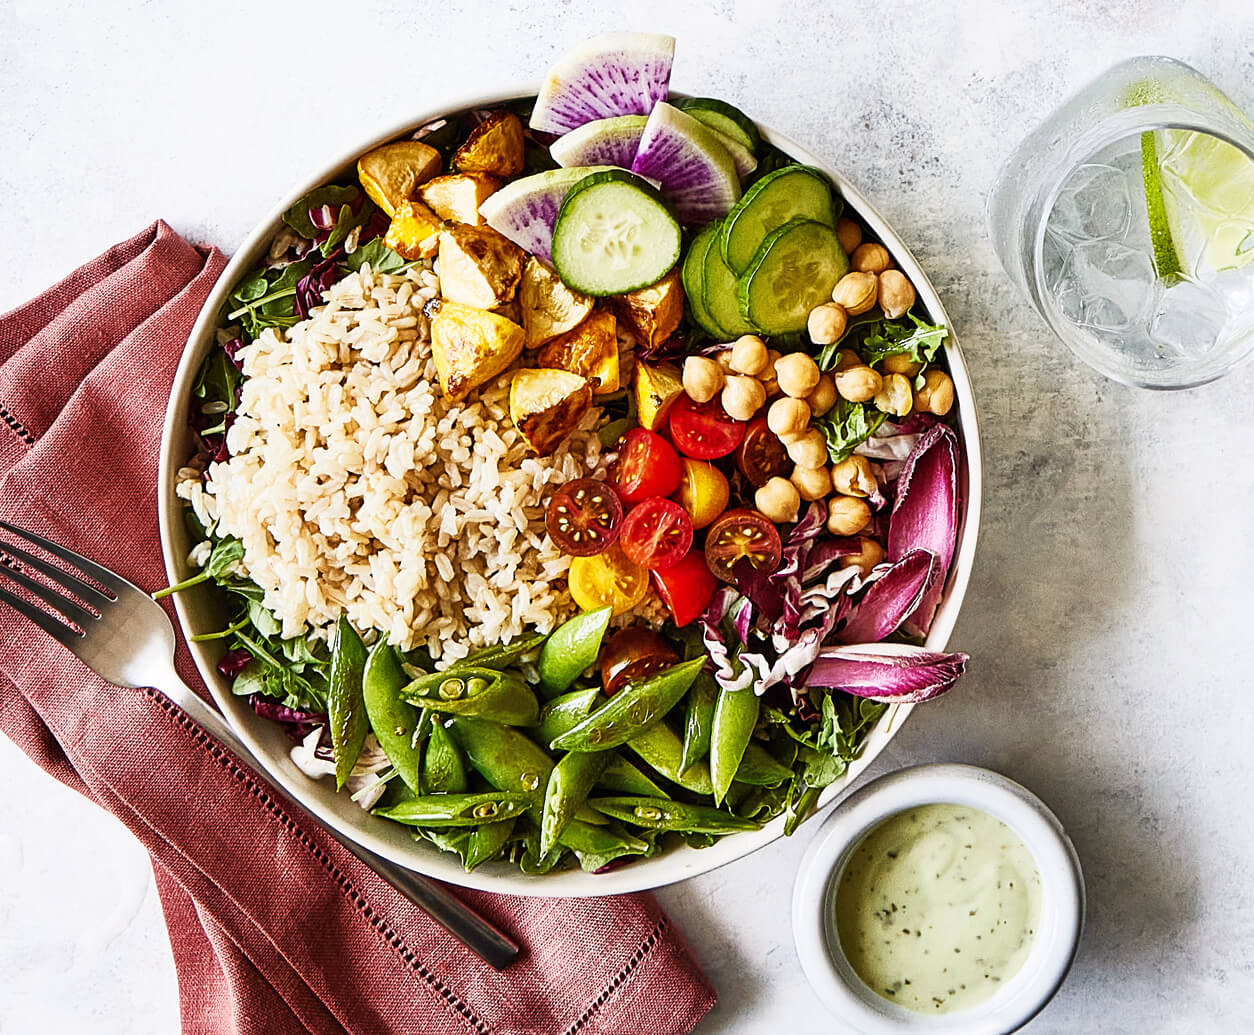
(495, 146)
(414, 232)
(549, 307)
(390, 174)
(653, 312)
(591, 350)
(656, 388)
(471, 346)
(479, 266)
(546, 405)
(457, 198)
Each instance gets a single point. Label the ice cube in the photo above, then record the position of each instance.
(1189, 319)
(1115, 286)
(1093, 205)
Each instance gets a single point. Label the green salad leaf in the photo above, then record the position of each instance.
(847, 426)
(381, 258)
(921, 341)
(297, 217)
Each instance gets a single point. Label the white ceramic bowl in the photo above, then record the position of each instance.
(267, 741)
(856, 1008)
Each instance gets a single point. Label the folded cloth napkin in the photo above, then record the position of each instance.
(274, 927)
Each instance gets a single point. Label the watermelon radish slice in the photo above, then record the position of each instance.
(601, 142)
(696, 172)
(618, 73)
(526, 209)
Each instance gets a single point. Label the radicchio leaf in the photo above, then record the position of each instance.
(925, 515)
(233, 662)
(891, 598)
(887, 671)
(269, 708)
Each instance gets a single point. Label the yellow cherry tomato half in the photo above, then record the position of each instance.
(702, 491)
(607, 579)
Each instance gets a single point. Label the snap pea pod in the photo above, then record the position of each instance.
(448, 839)
(394, 721)
(631, 711)
(482, 692)
(346, 711)
(531, 861)
(699, 720)
(568, 788)
(597, 847)
(621, 776)
(735, 715)
(572, 648)
(507, 759)
(758, 768)
(458, 810)
(661, 747)
(486, 842)
(796, 811)
(662, 814)
(500, 655)
(565, 712)
(443, 767)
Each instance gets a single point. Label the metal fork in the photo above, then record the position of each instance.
(124, 636)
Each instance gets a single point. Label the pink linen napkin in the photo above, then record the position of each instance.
(274, 927)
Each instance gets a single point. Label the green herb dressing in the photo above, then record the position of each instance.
(937, 907)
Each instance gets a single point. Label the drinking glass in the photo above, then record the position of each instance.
(1127, 219)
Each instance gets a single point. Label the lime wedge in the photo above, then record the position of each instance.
(1168, 261)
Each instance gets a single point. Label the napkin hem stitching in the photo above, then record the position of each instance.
(628, 968)
(16, 426)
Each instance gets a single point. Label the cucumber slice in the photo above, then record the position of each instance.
(721, 297)
(694, 279)
(793, 192)
(726, 119)
(614, 234)
(794, 270)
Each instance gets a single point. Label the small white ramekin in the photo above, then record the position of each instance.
(855, 1007)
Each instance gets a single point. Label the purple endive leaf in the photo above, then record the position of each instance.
(891, 598)
(827, 553)
(925, 514)
(887, 671)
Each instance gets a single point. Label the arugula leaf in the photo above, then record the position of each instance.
(297, 217)
(226, 552)
(921, 342)
(381, 258)
(276, 305)
(847, 426)
(217, 381)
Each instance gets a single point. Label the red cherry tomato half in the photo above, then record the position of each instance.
(742, 535)
(583, 517)
(656, 533)
(647, 465)
(762, 456)
(704, 431)
(633, 654)
(686, 587)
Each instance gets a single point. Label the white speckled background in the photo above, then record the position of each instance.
(1109, 610)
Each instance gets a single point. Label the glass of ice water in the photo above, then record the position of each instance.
(1127, 219)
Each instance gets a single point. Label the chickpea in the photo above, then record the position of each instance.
(845, 359)
(855, 476)
(743, 396)
(856, 292)
(871, 258)
(859, 384)
(823, 398)
(748, 355)
(901, 363)
(864, 560)
(937, 394)
(847, 515)
(778, 500)
(849, 234)
(797, 374)
(723, 359)
(768, 377)
(702, 379)
(808, 450)
(788, 418)
(826, 323)
(813, 483)
(896, 293)
(897, 395)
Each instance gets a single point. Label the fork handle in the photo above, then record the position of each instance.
(467, 926)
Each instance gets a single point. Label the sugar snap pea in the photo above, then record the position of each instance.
(394, 721)
(661, 747)
(569, 785)
(699, 719)
(507, 759)
(662, 814)
(346, 711)
(458, 810)
(597, 847)
(482, 692)
(632, 710)
(563, 713)
(735, 715)
(500, 655)
(443, 768)
(758, 768)
(486, 842)
(572, 648)
(621, 776)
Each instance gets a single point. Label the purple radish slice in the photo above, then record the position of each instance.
(526, 209)
(697, 174)
(602, 142)
(890, 599)
(617, 73)
(889, 672)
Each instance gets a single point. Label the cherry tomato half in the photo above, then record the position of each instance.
(647, 465)
(633, 654)
(762, 456)
(687, 587)
(656, 533)
(609, 579)
(703, 492)
(583, 517)
(742, 534)
(704, 430)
